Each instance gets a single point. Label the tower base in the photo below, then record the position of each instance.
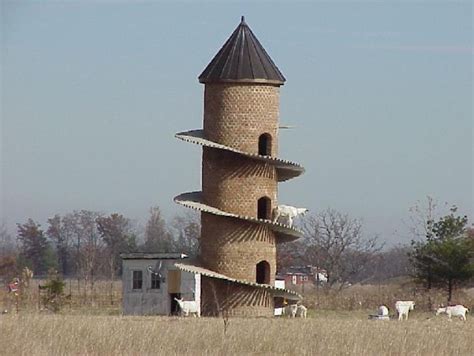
(226, 298)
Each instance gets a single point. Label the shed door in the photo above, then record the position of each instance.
(174, 281)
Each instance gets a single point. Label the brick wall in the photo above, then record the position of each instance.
(236, 115)
(234, 183)
(234, 247)
(225, 298)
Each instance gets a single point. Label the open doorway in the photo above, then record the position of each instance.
(174, 307)
(265, 145)
(264, 208)
(263, 272)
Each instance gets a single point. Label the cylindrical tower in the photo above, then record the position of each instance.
(239, 115)
(240, 175)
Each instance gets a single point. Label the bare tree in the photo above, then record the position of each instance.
(118, 236)
(87, 244)
(61, 235)
(33, 246)
(7, 243)
(186, 230)
(334, 241)
(290, 254)
(385, 265)
(8, 254)
(92, 246)
(157, 237)
(423, 215)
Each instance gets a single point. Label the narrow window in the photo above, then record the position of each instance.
(263, 272)
(263, 208)
(137, 280)
(265, 145)
(155, 281)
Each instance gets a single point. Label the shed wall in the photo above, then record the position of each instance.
(147, 301)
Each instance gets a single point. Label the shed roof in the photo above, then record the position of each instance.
(152, 256)
(242, 59)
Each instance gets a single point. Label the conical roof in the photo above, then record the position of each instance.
(242, 59)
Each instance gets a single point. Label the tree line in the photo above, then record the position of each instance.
(441, 253)
(87, 244)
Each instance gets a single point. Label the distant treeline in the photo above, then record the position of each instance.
(441, 254)
(87, 245)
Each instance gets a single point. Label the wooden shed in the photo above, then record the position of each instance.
(150, 282)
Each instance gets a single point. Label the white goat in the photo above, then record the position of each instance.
(453, 310)
(403, 307)
(301, 311)
(188, 307)
(290, 310)
(383, 311)
(288, 212)
(382, 314)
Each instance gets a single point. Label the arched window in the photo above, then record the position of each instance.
(263, 272)
(264, 208)
(265, 145)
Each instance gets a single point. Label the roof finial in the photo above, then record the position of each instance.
(242, 19)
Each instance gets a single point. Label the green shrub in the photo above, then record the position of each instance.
(53, 298)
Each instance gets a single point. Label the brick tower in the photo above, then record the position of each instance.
(240, 175)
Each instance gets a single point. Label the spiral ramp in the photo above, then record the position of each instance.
(274, 291)
(285, 169)
(284, 233)
(193, 200)
(241, 98)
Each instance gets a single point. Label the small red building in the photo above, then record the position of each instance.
(299, 275)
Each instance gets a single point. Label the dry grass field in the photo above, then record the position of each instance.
(325, 333)
(337, 325)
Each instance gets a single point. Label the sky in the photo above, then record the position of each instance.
(92, 92)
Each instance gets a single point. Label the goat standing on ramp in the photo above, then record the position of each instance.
(288, 212)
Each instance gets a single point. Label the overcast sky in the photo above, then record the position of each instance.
(380, 94)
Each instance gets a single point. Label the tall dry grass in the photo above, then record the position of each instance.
(369, 297)
(324, 334)
(104, 298)
(337, 325)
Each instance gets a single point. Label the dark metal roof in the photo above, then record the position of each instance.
(242, 59)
